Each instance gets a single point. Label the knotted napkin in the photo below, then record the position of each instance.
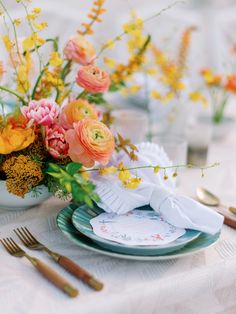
(180, 211)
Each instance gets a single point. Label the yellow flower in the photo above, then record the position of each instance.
(22, 79)
(15, 139)
(156, 169)
(126, 178)
(36, 10)
(40, 26)
(84, 174)
(7, 42)
(32, 41)
(134, 27)
(1, 70)
(111, 63)
(17, 22)
(156, 95)
(133, 183)
(55, 59)
(196, 96)
(108, 170)
(124, 174)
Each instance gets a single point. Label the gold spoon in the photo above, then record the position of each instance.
(210, 199)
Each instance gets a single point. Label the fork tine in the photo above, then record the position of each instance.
(14, 245)
(30, 234)
(10, 246)
(21, 236)
(5, 244)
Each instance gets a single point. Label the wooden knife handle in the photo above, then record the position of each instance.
(80, 273)
(54, 277)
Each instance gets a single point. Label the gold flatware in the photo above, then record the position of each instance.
(207, 198)
(14, 249)
(32, 243)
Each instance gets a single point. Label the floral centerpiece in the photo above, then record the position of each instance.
(56, 134)
(56, 131)
(220, 88)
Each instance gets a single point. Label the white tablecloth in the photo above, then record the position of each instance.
(199, 284)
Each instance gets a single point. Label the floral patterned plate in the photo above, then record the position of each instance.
(81, 220)
(64, 223)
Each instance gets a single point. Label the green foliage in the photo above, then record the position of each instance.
(70, 181)
(96, 98)
(114, 87)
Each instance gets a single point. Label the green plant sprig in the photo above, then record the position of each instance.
(70, 178)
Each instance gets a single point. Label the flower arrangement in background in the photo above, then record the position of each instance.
(220, 87)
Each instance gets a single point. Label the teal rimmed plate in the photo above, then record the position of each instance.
(81, 220)
(64, 222)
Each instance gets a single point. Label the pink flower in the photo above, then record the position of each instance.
(93, 79)
(79, 50)
(42, 112)
(55, 142)
(90, 141)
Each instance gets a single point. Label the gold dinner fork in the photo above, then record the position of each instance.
(32, 243)
(14, 249)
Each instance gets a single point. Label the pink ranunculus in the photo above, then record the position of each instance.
(79, 50)
(93, 79)
(55, 142)
(42, 112)
(90, 141)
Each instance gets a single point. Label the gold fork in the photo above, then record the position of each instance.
(14, 249)
(32, 243)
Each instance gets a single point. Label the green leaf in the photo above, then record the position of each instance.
(96, 98)
(73, 167)
(114, 87)
(88, 201)
(54, 174)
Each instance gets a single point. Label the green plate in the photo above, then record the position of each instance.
(64, 222)
(81, 220)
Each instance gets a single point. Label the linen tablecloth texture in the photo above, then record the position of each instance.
(204, 283)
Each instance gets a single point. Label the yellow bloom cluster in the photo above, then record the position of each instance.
(95, 16)
(124, 175)
(197, 96)
(211, 78)
(51, 79)
(22, 174)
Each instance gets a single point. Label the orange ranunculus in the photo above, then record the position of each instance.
(15, 139)
(79, 50)
(90, 141)
(75, 111)
(93, 79)
(231, 83)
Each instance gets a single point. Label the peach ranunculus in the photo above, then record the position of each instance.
(15, 139)
(43, 112)
(90, 141)
(79, 50)
(55, 142)
(231, 83)
(93, 79)
(75, 111)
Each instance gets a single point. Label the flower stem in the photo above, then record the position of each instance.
(82, 94)
(13, 93)
(161, 167)
(38, 80)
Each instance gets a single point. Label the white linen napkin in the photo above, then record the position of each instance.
(179, 211)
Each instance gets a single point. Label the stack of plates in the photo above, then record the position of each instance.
(74, 222)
